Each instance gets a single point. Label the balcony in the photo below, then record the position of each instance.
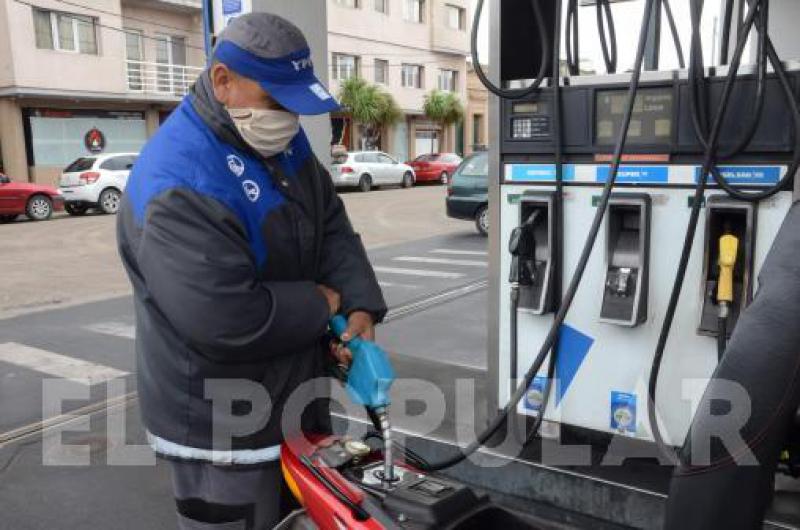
(187, 6)
(160, 79)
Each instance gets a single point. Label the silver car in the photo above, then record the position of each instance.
(365, 169)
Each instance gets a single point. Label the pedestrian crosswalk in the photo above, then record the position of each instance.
(401, 272)
(57, 365)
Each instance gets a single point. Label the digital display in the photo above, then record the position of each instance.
(651, 122)
(530, 108)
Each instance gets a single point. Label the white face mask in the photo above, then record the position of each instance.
(268, 131)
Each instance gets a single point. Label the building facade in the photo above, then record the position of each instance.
(476, 123)
(72, 69)
(408, 47)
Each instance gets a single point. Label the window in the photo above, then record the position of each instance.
(171, 53)
(386, 159)
(134, 53)
(477, 129)
(412, 76)
(348, 3)
(381, 71)
(382, 6)
(118, 163)
(455, 17)
(81, 164)
(414, 10)
(344, 66)
(448, 80)
(65, 31)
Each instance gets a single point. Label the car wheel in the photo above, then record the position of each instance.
(365, 183)
(7, 218)
(75, 209)
(109, 201)
(408, 180)
(444, 178)
(482, 220)
(39, 208)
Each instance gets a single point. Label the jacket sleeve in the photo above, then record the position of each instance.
(345, 266)
(198, 270)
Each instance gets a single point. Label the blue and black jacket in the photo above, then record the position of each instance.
(225, 250)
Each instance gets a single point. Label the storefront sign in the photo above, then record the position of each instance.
(94, 141)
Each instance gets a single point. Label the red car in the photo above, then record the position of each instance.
(435, 167)
(34, 200)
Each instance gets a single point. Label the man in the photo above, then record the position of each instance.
(239, 252)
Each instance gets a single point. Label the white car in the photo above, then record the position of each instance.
(366, 169)
(96, 182)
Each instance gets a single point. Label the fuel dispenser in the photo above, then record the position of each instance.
(604, 353)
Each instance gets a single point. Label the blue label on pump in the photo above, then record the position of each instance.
(230, 7)
(537, 172)
(623, 413)
(635, 174)
(535, 394)
(764, 175)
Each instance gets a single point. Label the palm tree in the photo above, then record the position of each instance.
(443, 108)
(371, 108)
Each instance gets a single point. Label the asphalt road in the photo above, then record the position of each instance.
(436, 334)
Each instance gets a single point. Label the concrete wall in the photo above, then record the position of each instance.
(6, 62)
(310, 16)
(477, 104)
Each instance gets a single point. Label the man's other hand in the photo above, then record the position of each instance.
(334, 299)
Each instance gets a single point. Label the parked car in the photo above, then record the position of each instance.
(437, 167)
(96, 182)
(366, 169)
(468, 192)
(36, 201)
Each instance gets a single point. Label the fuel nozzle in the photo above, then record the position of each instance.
(367, 382)
(522, 247)
(728, 250)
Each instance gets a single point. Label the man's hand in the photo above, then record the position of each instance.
(360, 324)
(334, 299)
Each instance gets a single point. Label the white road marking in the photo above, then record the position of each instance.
(418, 272)
(442, 261)
(115, 329)
(397, 285)
(459, 252)
(55, 364)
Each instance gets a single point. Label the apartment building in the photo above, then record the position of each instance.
(85, 76)
(409, 47)
(476, 119)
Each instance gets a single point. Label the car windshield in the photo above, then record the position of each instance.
(81, 164)
(340, 158)
(425, 158)
(475, 166)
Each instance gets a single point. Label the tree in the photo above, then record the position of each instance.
(443, 108)
(371, 108)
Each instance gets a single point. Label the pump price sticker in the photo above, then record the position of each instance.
(623, 413)
(535, 394)
(764, 175)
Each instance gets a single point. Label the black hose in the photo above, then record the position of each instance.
(726, 32)
(692, 227)
(575, 281)
(572, 39)
(514, 339)
(603, 7)
(543, 42)
(722, 336)
(673, 29)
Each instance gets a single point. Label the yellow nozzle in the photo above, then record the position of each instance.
(728, 249)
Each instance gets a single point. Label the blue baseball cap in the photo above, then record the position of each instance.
(273, 52)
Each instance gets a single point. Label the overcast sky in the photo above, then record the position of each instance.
(627, 20)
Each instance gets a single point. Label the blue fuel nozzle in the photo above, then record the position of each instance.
(370, 375)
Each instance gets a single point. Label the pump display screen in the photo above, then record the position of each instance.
(651, 123)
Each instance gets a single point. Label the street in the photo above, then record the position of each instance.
(70, 320)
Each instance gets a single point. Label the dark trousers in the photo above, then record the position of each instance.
(215, 497)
